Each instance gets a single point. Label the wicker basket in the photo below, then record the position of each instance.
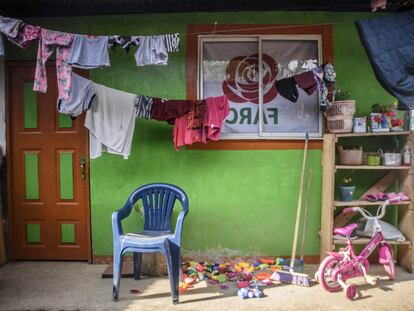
(341, 108)
(339, 116)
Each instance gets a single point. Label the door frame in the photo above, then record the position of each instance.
(9, 65)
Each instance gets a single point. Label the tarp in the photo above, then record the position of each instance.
(389, 42)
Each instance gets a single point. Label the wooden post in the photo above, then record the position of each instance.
(328, 190)
(406, 214)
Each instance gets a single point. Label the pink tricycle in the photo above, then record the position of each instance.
(340, 266)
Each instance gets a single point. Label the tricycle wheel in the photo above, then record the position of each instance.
(351, 292)
(324, 276)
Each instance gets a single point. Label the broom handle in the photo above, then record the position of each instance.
(295, 237)
(305, 216)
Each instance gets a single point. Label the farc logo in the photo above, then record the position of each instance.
(241, 82)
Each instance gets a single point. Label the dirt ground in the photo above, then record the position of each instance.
(79, 286)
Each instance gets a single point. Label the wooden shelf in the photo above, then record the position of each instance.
(390, 175)
(366, 203)
(373, 134)
(366, 241)
(370, 167)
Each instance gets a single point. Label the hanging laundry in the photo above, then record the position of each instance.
(144, 106)
(80, 98)
(49, 41)
(151, 50)
(89, 52)
(168, 110)
(202, 123)
(124, 42)
(188, 128)
(26, 35)
(111, 122)
(306, 81)
(287, 88)
(1, 45)
(217, 109)
(325, 77)
(172, 42)
(10, 26)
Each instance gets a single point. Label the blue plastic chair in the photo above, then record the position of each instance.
(158, 201)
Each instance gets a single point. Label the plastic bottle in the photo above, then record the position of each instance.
(406, 156)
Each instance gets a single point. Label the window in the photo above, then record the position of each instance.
(229, 63)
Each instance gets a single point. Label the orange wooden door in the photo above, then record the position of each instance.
(49, 190)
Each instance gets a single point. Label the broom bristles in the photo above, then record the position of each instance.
(153, 264)
(292, 278)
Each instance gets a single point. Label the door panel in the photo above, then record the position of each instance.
(49, 206)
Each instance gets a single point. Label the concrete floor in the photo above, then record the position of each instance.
(79, 286)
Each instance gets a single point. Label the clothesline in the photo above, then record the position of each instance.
(215, 31)
(101, 103)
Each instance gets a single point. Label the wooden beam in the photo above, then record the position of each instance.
(406, 214)
(328, 190)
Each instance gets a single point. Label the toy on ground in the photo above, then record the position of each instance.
(340, 266)
(250, 292)
(183, 287)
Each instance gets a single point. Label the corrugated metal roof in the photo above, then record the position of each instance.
(26, 8)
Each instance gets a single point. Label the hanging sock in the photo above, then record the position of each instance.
(49, 41)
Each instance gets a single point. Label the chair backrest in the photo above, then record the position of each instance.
(158, 201)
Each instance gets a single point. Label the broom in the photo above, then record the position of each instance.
(291, 276)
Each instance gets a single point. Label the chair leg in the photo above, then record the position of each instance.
(173, 265)
(137, 265)
(118, 258)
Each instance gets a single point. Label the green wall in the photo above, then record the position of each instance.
(241, 202)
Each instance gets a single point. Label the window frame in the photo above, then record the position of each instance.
(194, 31)
(258, 39)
